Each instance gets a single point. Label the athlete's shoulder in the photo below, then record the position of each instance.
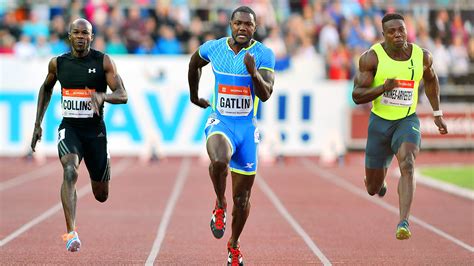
(96, 53)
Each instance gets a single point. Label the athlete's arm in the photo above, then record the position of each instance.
(44, 96)
(432, 89)
(263, 79)
(115, 83)
(194, 75)
(363, 92)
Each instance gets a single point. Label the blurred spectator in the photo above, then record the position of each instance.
(277, 44)
(43, 49)
(457, 28)
(460, 67)
(168, 43)
(24, 48)
(442, 28)
(442, 61)
(34, 27)
(58, 46)
(329, 37)
(338, 63)
(115, 45)
(133, 29)
(7, 42)
(147, 47)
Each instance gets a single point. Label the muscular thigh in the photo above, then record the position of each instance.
(378, 152)
(244, 160)
(69, 141)
(407, 130)
(96, 155)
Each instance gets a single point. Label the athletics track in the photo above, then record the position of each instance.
(302, 213)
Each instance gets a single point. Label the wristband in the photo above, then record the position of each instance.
(438, 113)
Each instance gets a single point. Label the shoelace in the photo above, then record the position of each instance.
(219, 213)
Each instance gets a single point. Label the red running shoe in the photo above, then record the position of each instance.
(218, 221)
(235, 257)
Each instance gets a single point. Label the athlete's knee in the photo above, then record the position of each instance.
(70, 173)
(242, 201)
(373, 189)
(101, 196)
(407, 166)
(218, 165)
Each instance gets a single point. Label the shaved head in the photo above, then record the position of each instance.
(81, 21)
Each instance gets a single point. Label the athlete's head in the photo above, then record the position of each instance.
(394, 30)
(80, 35)
(243, 24)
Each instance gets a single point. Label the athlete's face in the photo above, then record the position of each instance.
(243, 27)
(395, 33)
(80, 36)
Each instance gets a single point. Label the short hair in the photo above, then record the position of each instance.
(391, 16)
(244, 9)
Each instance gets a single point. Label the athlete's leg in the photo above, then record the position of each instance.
(70, 163)
(220, 152)
(241, 190)
(406, 185)
(97, 160)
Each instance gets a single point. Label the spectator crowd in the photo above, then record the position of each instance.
(338, 31)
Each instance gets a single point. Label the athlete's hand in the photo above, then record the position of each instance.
(201, 102)
(442, 128)
(37, 134)
(390, 84)
(97, 99)
(249, 62)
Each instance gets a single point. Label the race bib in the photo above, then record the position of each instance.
(234, 100)
(76, 103)
(401, 95)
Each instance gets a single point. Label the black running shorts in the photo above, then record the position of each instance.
(88, 142)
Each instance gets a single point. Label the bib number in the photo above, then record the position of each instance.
(234, 100)
(400, 96)
(76, 103)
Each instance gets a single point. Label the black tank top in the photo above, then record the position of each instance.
(74, 75)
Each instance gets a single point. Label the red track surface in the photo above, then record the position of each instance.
(327, 202)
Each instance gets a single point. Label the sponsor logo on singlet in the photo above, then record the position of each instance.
(401, 95)
(76, 103)
(234, 100)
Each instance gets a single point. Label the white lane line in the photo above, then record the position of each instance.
(341, 182)
(289, 218)
(32, 175)
(84, 190)
(178, 187)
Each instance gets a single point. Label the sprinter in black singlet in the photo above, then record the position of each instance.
(84, 74)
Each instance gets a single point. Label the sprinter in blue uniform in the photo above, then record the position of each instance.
(244, 76)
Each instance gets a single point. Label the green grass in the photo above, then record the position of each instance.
(462, 176)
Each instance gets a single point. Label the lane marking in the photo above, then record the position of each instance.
(341, 182)
(32, 175)
(289, 218)
(178, 187)
(84, 190)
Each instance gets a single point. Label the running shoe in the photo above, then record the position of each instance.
(235, 257)
(383, 190)
(402, 230)
(218, 221)
(73, 243)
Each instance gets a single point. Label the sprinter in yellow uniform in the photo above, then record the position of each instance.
(389, 75)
